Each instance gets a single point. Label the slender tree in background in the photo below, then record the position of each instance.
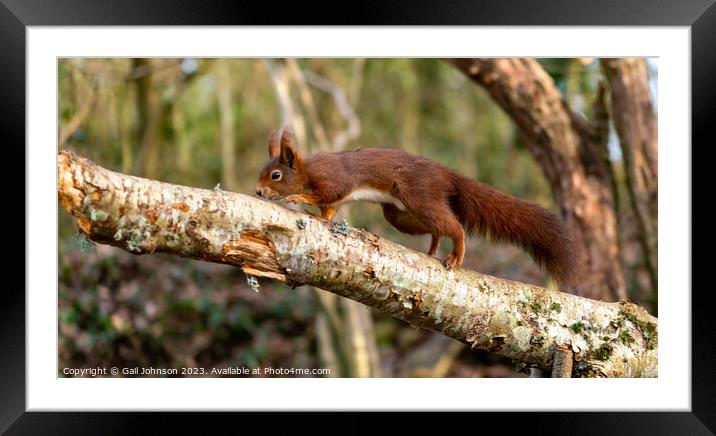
(154, 78)
(148, 111)
(345, 336)
(572, 154)
(634, 119)
(224, 92)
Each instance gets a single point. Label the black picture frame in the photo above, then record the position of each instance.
(16, 15)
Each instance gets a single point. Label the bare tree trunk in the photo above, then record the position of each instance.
(149, 109)
(326, 349)
(359, 338)
(565, 147)
(226, 113)
(516, 320)
(126, 135)
(359, 354)
(634, 119)
(329, 315)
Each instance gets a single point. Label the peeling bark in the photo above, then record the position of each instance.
(513, 319)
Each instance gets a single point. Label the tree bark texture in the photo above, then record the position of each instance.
(635, 122)
(516, 320)
(571, 155)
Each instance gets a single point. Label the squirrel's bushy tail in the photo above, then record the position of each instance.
(505, 218)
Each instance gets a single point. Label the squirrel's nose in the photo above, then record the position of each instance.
(258, 192)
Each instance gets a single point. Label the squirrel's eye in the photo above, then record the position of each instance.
(276, 175)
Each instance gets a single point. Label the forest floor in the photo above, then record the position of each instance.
(119, 309)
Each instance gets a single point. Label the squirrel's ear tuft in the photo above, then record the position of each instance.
(273, 148)
(289, 155)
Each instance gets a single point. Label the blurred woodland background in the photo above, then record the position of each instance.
(203, 122)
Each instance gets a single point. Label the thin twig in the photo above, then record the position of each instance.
(70, 128)
(288, 114)
(339, 97)
(307, 101)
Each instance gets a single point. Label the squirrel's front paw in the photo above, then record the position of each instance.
(293, 199)
(317, 215)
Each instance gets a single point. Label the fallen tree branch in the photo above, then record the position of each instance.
(516, 320)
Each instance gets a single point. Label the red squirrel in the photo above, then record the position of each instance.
(418, 196)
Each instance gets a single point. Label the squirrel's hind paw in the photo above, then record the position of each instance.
(451, 262)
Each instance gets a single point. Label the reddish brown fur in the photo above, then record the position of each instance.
(505, 218)
(437, 200)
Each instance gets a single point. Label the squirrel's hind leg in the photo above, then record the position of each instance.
(455, 258)
(434, 244)
(406, 223)
(439, 220)
(403, 221)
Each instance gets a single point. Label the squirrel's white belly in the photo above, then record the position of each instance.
(373, 196)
